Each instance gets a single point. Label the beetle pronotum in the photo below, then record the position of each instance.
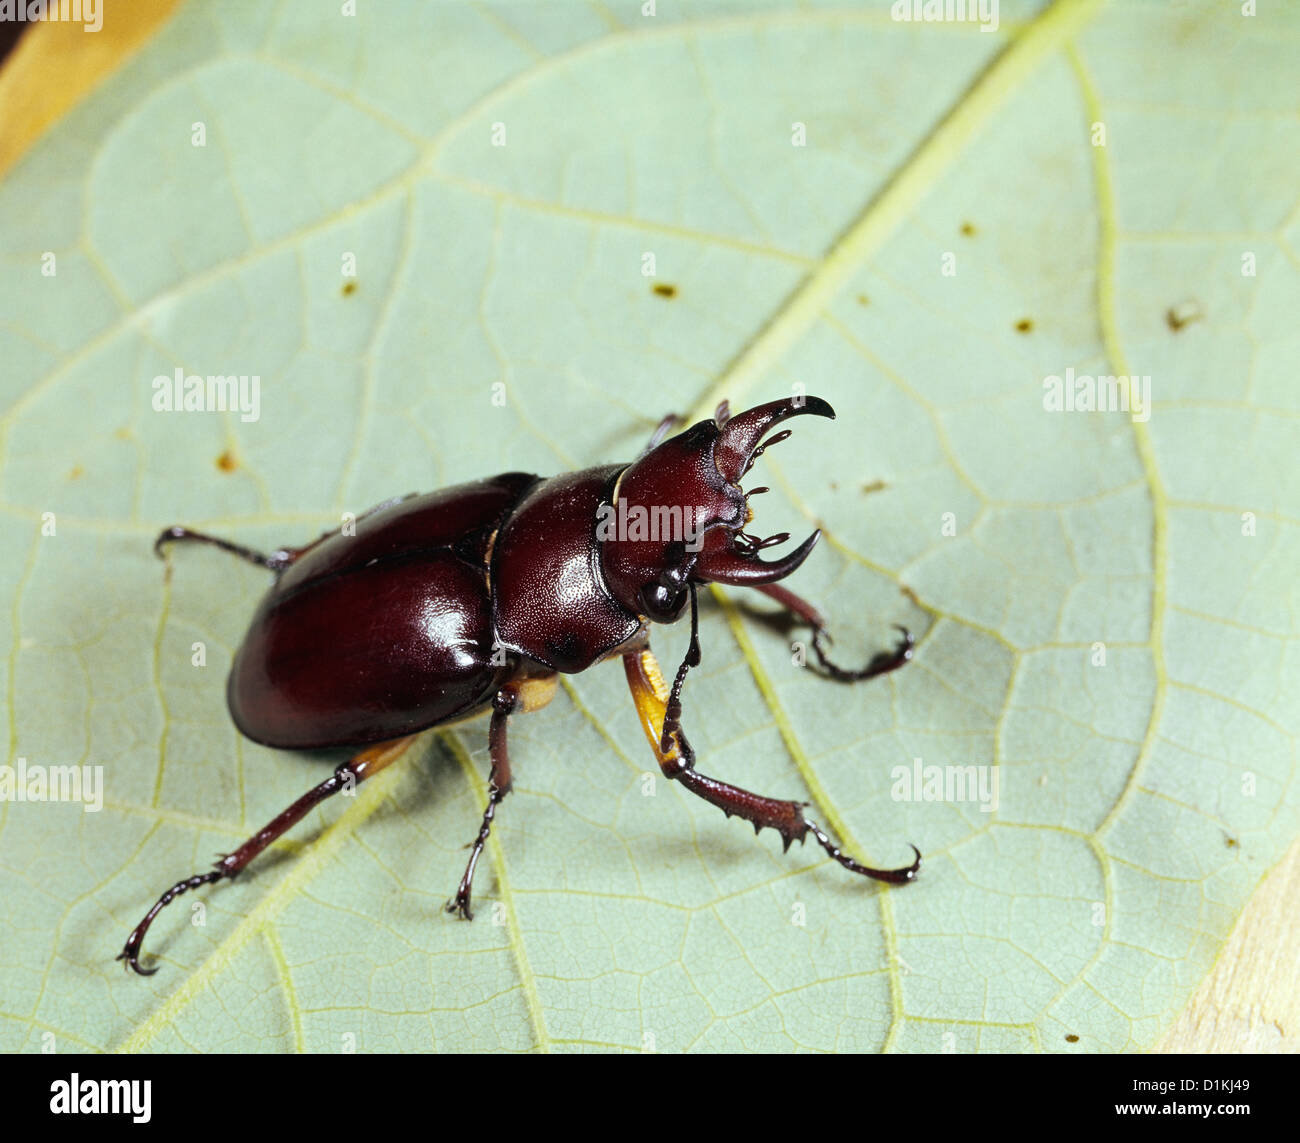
(485, 593)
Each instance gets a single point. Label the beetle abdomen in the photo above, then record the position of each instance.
(375, 636)
(354, 661)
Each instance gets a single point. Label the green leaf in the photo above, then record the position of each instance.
(1140, 801)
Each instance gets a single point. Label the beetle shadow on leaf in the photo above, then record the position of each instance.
(789, 627)
(793, 629)
(777, 620)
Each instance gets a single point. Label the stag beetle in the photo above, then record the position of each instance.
(438, 606)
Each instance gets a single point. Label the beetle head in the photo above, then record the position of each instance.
(679, 512)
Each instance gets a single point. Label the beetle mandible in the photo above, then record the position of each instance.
(485, 593)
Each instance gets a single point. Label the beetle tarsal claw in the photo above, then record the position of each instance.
(899, 876)
(460, 908)
(132, 959)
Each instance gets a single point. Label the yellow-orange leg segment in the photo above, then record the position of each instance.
(356, 770)
(677, 762)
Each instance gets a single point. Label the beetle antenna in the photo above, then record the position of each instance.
(673, 713)
(722, 414)
(783, 435)
(661, 432)
(752, 546)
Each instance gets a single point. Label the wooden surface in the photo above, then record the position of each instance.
(55, 64)
(1250, 1002)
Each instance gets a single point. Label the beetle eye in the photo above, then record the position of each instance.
(662, 602)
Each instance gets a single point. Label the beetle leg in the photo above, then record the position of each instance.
(879, 664)
(279, 559)
(180, 532)
(499, 783)
(520, 696)
(677, 761)
(365, 765)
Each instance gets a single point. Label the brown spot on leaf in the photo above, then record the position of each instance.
(863, 300)
(1071, 1039)
(1025, 325)
(873, 486)
(77, 472)
(227, 462)
(1183, 314)
(665, 289)
(968, 229)
(349, 287)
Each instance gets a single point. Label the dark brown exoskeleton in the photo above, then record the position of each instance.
(479, 595)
